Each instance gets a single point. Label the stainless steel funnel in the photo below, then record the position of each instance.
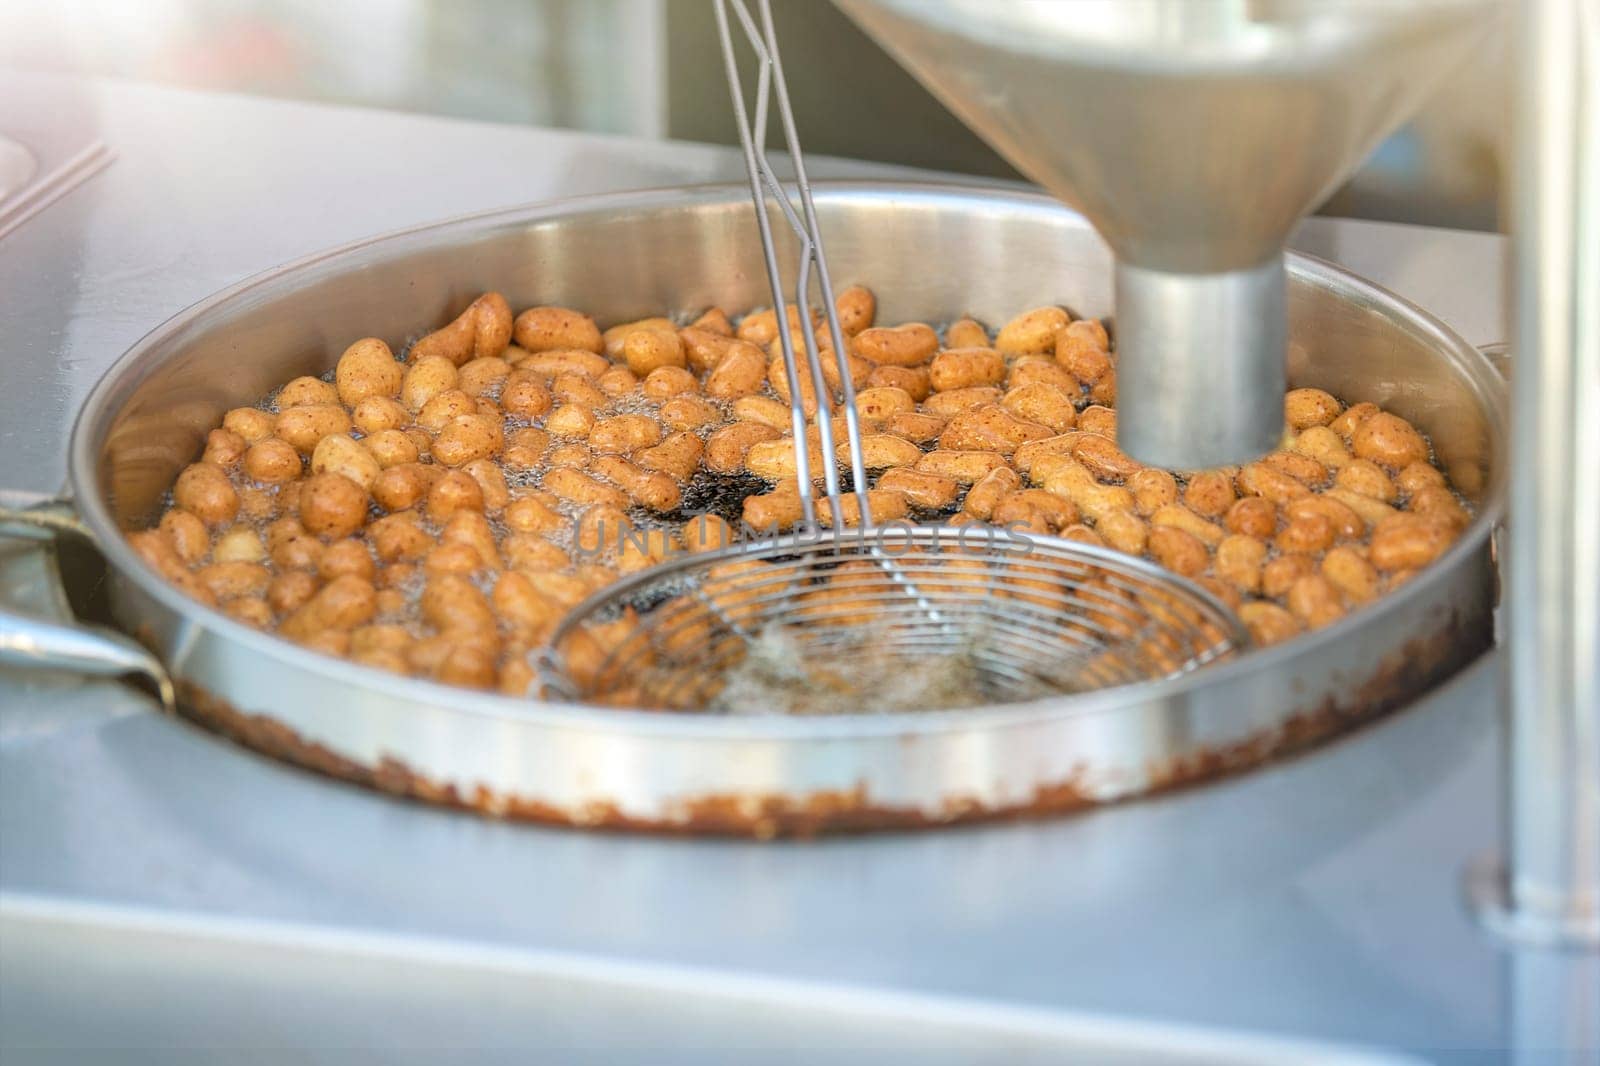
(1193, 134)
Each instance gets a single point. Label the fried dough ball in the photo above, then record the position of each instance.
(438, 515)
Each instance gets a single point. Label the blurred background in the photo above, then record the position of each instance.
(652, 68)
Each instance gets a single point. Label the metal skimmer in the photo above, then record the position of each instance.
(858, 617)
(822, 623)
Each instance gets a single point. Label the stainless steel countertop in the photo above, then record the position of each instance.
(158, 886)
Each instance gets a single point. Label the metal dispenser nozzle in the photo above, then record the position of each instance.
(1194, 134)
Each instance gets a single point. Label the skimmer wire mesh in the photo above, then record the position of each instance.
(889, 619)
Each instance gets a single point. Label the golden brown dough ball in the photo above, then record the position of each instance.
(367, 369)
(331, 505)
(203, 489)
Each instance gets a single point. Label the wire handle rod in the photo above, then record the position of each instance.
(765, 185)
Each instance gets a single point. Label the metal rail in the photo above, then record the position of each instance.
(1549, 888)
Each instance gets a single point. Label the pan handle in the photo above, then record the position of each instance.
(28, 642)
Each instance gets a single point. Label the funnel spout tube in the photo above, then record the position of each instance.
(1200, 364)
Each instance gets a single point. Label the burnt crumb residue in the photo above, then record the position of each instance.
(723, 495)
(644, 599)
(719, 494)
(942, 515)
(1413, 668)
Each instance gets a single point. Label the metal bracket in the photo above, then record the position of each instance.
(28, 642)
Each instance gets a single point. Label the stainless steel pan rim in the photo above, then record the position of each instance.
(127, 372)
(932, 251)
